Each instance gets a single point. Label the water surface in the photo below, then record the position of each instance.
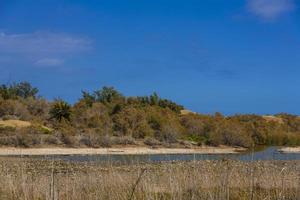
(269, 153)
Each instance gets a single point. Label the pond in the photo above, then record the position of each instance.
(267, 153)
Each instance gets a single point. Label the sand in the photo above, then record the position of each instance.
(116, 151)
(290, 150)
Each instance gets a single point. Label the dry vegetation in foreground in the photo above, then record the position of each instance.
(44, 179)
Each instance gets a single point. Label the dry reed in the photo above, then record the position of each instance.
(34, 179)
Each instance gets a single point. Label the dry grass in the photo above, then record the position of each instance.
(233, 180)
(15, 123)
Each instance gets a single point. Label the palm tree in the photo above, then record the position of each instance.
(60, 110)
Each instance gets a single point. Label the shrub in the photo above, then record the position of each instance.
(132, 122)
(7, 129)
(38, 108)
(168, 134)
(14, 109)
(151, 141)
(30, 140)
(50, 140)
(232, 134)
(85, 140)
(90, 140)
(125, 140)
(67, 140)
(105, 141)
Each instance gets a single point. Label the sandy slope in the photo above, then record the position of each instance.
(15, 123)
(116, 151)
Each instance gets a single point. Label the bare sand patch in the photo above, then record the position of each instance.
(271, 118)
(186, 112)
(290, 150)
(116, 151)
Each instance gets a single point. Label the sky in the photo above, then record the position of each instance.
(237, 56)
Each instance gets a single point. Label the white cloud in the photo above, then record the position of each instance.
(270, 9)
(49, 62)
(42, 48)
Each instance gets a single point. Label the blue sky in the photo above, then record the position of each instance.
(238, 56)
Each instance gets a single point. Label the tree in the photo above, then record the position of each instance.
(22, 89)
(165, 103)
(4, 92)
(88, 98)
(25, 90)
(60, 110)
(107, 95)
(154, 99)
(143, 100)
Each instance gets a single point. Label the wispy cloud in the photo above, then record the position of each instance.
(42, 48)
(270, 9)
(49, 62)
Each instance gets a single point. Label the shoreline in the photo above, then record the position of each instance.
(289, 150)
(117, 151)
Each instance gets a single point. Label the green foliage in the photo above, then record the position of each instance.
(60, 110)
(107, 95)
(88, 98)
(198, 139)
(165, 103)
(23, 90)
(5, 92)
(155, 100)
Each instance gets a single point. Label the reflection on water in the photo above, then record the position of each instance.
(269, 153)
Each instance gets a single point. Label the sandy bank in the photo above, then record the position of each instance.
(290, 150)
(116, 151)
